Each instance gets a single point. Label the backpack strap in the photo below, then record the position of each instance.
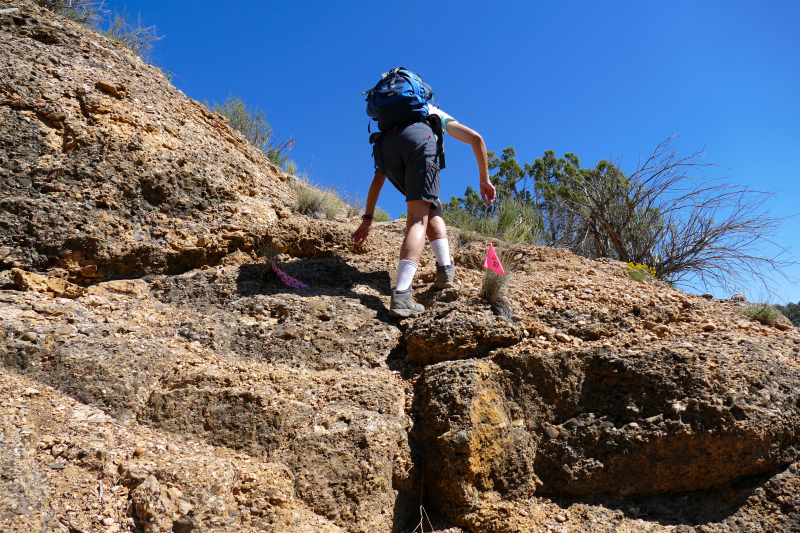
(435, 122)
(375, 141)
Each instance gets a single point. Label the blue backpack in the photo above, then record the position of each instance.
(399, 98)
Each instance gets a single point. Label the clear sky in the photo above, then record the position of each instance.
(597, 78)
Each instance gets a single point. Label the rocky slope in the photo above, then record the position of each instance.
(107, 169)
(157, 377)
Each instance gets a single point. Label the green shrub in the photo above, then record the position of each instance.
(308, 199)
(512, 220)
(315, 202)
(136, 37)
(86, 12)
(641, 272)
(290, 167)
(351, 202)
(332, 205)
(353, 205)
(466, 236)
(764, 313)
(381, 216)
(252, 123)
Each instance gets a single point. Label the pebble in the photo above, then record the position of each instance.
(707, 296)
(139, 451)
(710, 326)
(560, 518)
(30, 336)
(551, 432)
(661, 330)
(563, 337)
(107, 521)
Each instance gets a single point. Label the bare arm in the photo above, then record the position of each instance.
(474, 139)
(361, 234)
(374, 192)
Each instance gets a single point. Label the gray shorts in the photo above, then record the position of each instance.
(409, 156)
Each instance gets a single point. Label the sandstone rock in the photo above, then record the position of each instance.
(154, 506)
(710, 326)
(115, 138)
(485, 398)
(29, 281)
(707, 296)
(662, 330)
(351, 440)
(739, 297)
(456, 333)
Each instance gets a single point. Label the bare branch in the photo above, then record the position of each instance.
(698, 232)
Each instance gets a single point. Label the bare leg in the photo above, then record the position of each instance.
(437, 229)
(416, 229)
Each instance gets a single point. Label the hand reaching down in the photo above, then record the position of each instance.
(488, 193)
(361, 234)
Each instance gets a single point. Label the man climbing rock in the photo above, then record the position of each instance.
(408, 150)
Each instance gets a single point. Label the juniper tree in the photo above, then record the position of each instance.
(695, 231)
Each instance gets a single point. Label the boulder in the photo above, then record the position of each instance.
(456, 331)
(607, 421)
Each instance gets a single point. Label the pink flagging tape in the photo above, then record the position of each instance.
(287, 279)
(492, 262)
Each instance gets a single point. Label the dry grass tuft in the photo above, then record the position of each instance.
(494, 285)
(315, 202)
(764, 313)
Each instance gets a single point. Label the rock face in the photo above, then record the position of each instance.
(157, 376)
(586, 422)
(107, 169)
(456, 332)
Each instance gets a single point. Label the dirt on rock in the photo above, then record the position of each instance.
(158, 377)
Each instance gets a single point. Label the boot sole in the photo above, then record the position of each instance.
(403, 312)
(445, 286)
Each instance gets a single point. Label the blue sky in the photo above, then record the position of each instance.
(596, 78)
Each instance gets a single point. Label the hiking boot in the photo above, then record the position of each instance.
(403, 304)
(444, 277)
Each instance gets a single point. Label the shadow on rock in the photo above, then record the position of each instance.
(712, 508)
(330, 276)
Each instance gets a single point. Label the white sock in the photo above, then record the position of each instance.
(441, 249)
(405, 273)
